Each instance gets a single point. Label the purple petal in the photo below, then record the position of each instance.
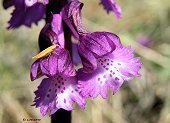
(112, 71)
(57, 27)
(26, 16)
(56, 93)
(65, 66)
(44, 65)
(98, 43)
(35, 14)
(95, 45)
(52, 64)
(75, 55)
(58, 62)
(71, 14)
(88, 60)
(126, 63)
(35, 71)
(110, 5)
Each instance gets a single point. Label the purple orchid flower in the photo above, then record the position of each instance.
(60, 90)
(105, 61)
(26, 12)
(111, 5)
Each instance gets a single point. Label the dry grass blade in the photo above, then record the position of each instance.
(13, 107)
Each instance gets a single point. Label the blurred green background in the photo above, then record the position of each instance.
(144, 100)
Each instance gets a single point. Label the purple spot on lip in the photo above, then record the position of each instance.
(64, 88)
(116, 78)
(72, 91)
(49, 90)
(107, 63)
(101, 82)
(98, 79)
(104, 76)
(118, 63)
(76, 90)
(107, 68)
(48, 95)
(62, 91)
(64, 100)
(113, 73)
(58, 86)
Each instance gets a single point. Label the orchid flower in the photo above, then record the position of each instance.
(60, 89)
(106, 63)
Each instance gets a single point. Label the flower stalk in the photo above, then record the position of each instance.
(55, 6)
(61, 116)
